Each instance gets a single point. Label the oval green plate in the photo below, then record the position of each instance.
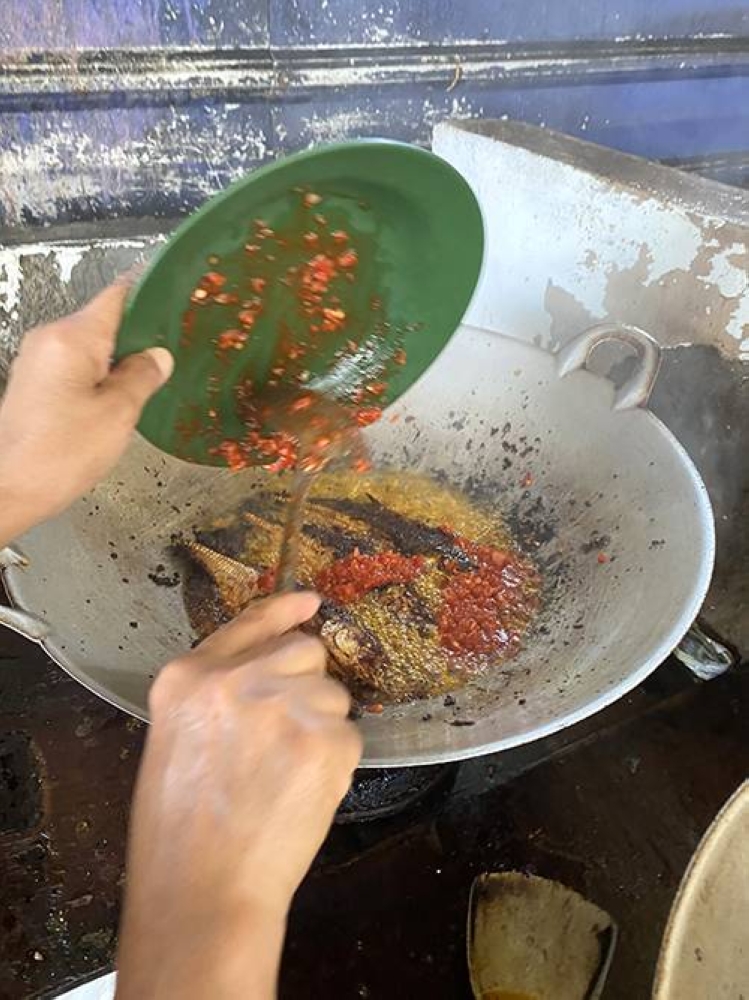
(418, 234)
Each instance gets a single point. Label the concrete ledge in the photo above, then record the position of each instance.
(578, 234)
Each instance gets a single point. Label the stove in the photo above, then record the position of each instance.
(383, 793)
(387, 793)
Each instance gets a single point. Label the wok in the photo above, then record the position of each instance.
(579, 468)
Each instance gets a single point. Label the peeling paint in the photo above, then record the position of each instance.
(728, 270)
(729, 273)
(341, 124)
(167, 154)
(39, 281)
(10, 287)
(576, 234)
(66, 259)
(153, 129)
(570, 243)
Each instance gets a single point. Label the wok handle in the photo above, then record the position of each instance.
(636, 390)
(704, 655)
(30, 626)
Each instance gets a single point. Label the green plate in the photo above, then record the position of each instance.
(416, 230)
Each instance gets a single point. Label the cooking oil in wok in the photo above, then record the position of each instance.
(402, 640)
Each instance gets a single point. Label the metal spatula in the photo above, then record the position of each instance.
(533, 939)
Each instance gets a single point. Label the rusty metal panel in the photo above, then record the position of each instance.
(66, 25)
(170, 144)
(146, 107)
(70, 25)
(311, 22)
(70, 165)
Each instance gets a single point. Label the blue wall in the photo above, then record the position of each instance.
(147, 106)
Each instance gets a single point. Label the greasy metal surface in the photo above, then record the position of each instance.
(614, 515)
(704, 950)
(67, 764)
(613, 808)
(612, 819)
(377, 794)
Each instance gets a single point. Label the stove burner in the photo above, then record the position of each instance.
(378, 793)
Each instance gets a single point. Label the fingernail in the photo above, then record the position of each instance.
(163, 360)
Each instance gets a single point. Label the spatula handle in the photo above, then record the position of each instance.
(288, 559)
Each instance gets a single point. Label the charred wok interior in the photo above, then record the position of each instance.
(422, 589)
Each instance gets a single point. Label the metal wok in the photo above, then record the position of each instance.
(491, 415)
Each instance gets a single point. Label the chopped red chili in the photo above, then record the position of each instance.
(475, 615)
(317, 279)
(349, 258)
(214, 280)
(302, 403)
(333, 319)
(368, 415)
(350, 578)
(247, 317)
(231, 339)
(234, 455)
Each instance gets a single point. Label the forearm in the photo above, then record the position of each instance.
(215, 953)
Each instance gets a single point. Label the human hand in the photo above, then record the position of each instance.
(249, 754)
(66, 417)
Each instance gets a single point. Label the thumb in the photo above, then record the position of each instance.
(137, 377)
